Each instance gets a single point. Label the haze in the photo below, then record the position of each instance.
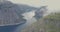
(52, 4)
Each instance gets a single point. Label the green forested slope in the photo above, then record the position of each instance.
(50, 23)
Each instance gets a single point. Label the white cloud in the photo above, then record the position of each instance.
(28, 15)
(52, 4)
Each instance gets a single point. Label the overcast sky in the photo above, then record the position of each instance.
(52, 4)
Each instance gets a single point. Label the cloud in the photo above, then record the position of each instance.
(52, 4)
(29, 15)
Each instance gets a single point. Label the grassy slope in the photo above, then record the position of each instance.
(50, 23)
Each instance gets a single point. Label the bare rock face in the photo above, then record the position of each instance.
(2, 0)
(40, 12)
(9, 14)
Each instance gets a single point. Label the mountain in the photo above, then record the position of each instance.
(52, 22)
(49, 23)
(11, 13)
(40, 12)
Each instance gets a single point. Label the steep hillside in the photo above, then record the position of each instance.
(50, 23)
(9, 14)
(12, 13)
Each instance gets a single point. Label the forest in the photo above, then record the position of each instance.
(49, 23)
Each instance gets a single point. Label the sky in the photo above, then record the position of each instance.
(52, 4)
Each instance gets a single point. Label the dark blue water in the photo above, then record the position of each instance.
(10, 28)
(7, 28)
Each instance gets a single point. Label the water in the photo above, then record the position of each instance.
(30, 19)
(7, 28)
(10, 28)
(29, 22)
(15, 28)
